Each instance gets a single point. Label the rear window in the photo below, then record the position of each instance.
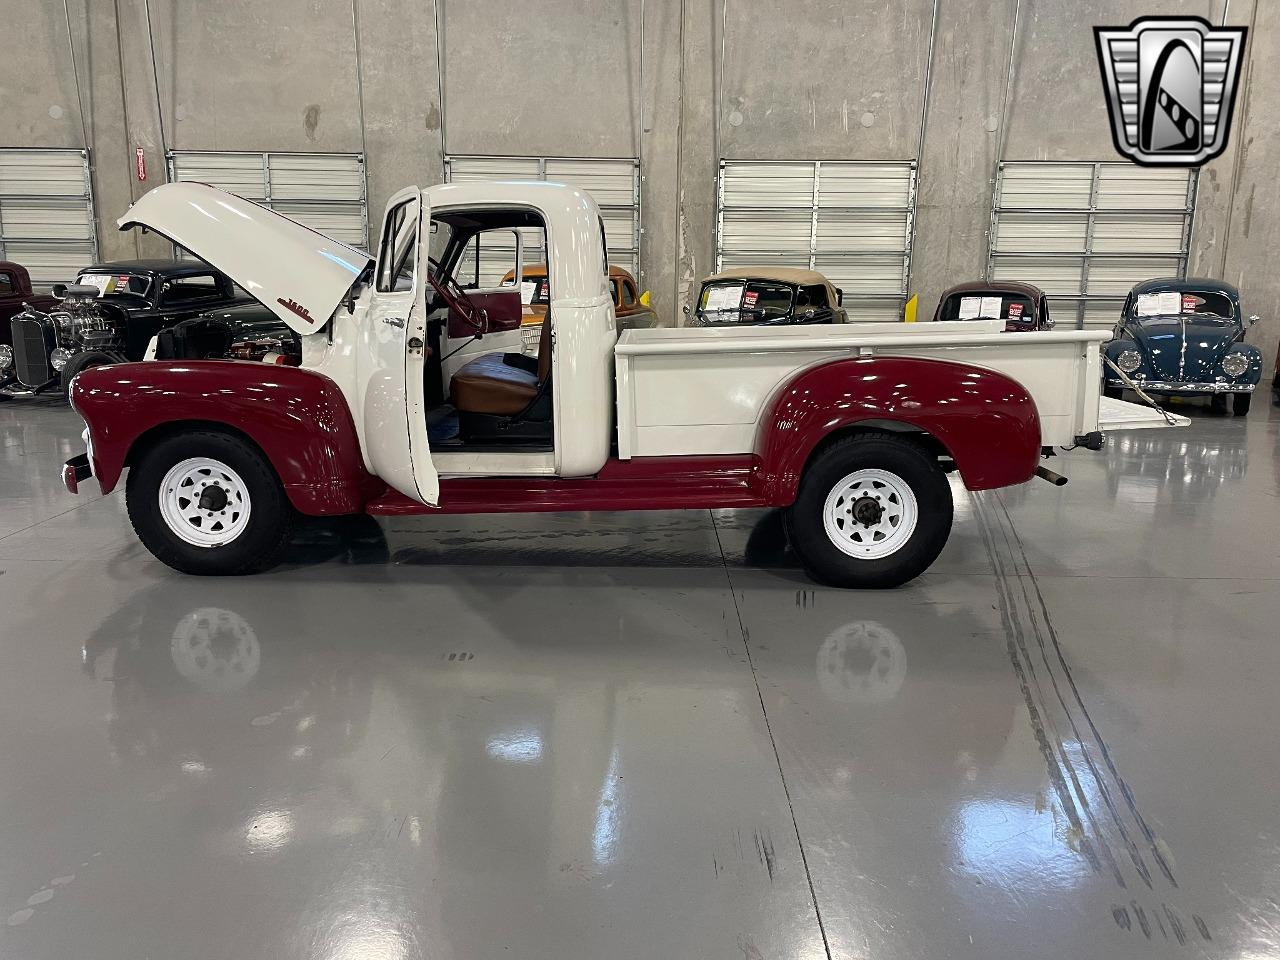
(988, 306)
(750, 301)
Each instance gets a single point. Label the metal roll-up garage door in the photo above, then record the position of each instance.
(850, 220)
(325, 191)
(46, 212)
(614, 184)
(1085, 233)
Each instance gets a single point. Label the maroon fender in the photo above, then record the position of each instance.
(986, 421)
(298, 418)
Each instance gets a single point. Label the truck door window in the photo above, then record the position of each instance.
(628, 293)
(6, 285)
(395, 254)
(615, 291)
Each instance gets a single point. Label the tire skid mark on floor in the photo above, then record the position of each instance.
(1080, 765)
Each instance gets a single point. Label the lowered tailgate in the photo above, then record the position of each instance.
(1122, 415)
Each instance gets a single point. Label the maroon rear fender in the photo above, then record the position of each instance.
(986, 421)
(297, 417)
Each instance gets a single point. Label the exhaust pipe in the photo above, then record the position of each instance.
(1044, 473)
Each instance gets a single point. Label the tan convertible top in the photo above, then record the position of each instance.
(795, 275)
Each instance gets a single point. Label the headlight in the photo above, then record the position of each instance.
(1235, 364)
(59, 357)
(6, 356)
(1129, 360)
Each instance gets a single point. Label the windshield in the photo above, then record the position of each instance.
(1210, 304)
(750, 301)
(117, 284)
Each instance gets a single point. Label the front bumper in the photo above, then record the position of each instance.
(1167, 386)
(75, 471)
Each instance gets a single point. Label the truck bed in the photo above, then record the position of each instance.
(690, 390)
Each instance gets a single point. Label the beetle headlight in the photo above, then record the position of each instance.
(1234, 364)
(59, 357)
(1129, 360)
(6, 356)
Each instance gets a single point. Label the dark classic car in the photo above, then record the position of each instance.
(16, 295)
(1184, 338)
(245, 331)
(767, 295)
(1020, 305)
(109, 315)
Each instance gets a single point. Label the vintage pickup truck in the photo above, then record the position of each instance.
(852, 428)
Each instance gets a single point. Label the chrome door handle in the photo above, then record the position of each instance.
(394, 321)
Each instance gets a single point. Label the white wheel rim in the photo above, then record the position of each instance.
(870, 514)
(204, 502)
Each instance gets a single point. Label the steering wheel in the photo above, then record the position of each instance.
(447, 289)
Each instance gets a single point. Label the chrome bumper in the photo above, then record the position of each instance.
(76, 470)
(1163, 386)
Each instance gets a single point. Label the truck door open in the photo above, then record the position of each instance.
(393, 353)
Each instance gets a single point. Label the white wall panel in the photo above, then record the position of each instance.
(1085, 233)
(325, 191)
(849, 220)
(46, 212)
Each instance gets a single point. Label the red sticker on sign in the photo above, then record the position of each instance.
(749, 298)
(141, 164)
(1189, 303)
(1015, 311)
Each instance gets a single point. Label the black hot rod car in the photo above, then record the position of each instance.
(109, 315)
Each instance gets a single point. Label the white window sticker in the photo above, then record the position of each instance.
(527, 289)
(724, 298)
(991, 307)
(970, 308)
(98, 280)
(1157, 304)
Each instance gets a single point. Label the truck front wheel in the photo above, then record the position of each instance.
(209, 503)
(873, 511)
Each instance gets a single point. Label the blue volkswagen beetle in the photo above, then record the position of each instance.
(1184, 338)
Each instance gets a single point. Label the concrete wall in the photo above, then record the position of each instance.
(679, 83)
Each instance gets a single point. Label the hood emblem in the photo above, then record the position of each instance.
(294, 307)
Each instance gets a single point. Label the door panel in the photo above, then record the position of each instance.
(502, 307)
(392, 354)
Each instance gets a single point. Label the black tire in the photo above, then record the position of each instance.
(267, 529)
(1113, 392)
(82, 361)
(910, 464)
(1218, 404)
(1240, 403)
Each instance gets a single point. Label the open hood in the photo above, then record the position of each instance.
(299, 275)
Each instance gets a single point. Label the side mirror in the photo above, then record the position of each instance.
(686, 310)
(839, 297)
(809, 314)
(1254, 318)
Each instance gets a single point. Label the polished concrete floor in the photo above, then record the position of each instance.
(647, 735)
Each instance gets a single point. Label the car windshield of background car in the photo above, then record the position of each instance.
(1172, 303)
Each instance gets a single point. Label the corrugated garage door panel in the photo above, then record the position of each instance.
(324, 191)
(1087, 232)
(46, 212)
(614, 184)
(850, 220)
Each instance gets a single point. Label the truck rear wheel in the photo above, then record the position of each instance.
(210, 504)
(873, 511)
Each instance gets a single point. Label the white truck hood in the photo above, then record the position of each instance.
(299, 275)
